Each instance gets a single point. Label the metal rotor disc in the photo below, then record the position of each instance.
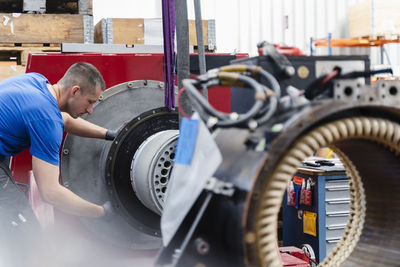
(151, 168)
(83, 167)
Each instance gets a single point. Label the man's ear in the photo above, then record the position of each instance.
(75, 89)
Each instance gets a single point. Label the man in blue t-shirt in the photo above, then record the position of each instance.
(34, 114)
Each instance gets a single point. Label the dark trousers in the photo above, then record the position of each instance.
(19, 227)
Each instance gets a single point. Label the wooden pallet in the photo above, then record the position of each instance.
(46, 28)
(49, 6)
(18, 52)
(375, 79)
(7, 71)
(382, 37)
(142, 31)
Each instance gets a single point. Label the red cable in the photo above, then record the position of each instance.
(329, 77)
(179, 104)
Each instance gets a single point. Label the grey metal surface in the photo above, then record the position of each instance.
(347, 90)
(182, 58)
(37, 6)
(104, 30)
(200, 43)
(330, 245)
(80, 161)
(390, 90)
(85, 7)
(151, 168)
(337, 208)
(342, 206)
(88, 29)
(336, 183)
(334, 233)
(109, 48)
(212, 41)
(337, 192)
(107, 30)
(332, 219)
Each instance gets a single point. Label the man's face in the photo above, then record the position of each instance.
(80, 103)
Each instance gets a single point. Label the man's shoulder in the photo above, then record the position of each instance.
(35, 75)
(25, 78)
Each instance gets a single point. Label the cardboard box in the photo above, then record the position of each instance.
(7, 71)
(46, 28)
(146, 31)
(375, 19)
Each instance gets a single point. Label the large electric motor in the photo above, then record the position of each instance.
(359, 122)
(132, 171)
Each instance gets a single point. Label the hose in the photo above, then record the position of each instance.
(224, 78)
(231, 75)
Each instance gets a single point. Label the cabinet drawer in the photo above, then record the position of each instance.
(334, 231)
(337, 205)
(339, 182)
(334, 194)
(336, 218)
(330, 244)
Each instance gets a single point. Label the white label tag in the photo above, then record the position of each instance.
(187, 181)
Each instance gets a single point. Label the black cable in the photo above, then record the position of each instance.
(321, 84)
(357, 74)
(312, 260)
(324, 82)
(224, 119)
(273, 82)
(195, 96)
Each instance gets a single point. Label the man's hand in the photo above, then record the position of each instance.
(108, 211)
(112, 134)
(47, 180)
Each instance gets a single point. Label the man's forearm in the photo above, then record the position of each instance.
(46, 177)
(66, 201)
(83, 128)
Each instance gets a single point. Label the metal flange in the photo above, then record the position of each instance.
(151, 168)
(85, 161)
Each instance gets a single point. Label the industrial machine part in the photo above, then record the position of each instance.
(241, 229)
(133, 170)
(306, 71)
(137, 104)
(360, 124)
(151, 168)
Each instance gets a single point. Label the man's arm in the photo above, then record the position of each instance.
(46, 176)
(82, 128)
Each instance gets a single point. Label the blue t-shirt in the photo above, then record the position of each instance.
(30, 117)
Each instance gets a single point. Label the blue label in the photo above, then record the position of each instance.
(186, 141)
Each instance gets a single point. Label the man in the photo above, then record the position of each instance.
(34, 114)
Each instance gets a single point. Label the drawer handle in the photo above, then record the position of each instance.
(338, 201)
(332, 182)
(336, 227)
(333, 240)
(337, 188)
(337, 214)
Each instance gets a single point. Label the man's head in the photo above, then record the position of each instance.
(82, 85)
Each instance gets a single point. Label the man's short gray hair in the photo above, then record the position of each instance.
(85, 75)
